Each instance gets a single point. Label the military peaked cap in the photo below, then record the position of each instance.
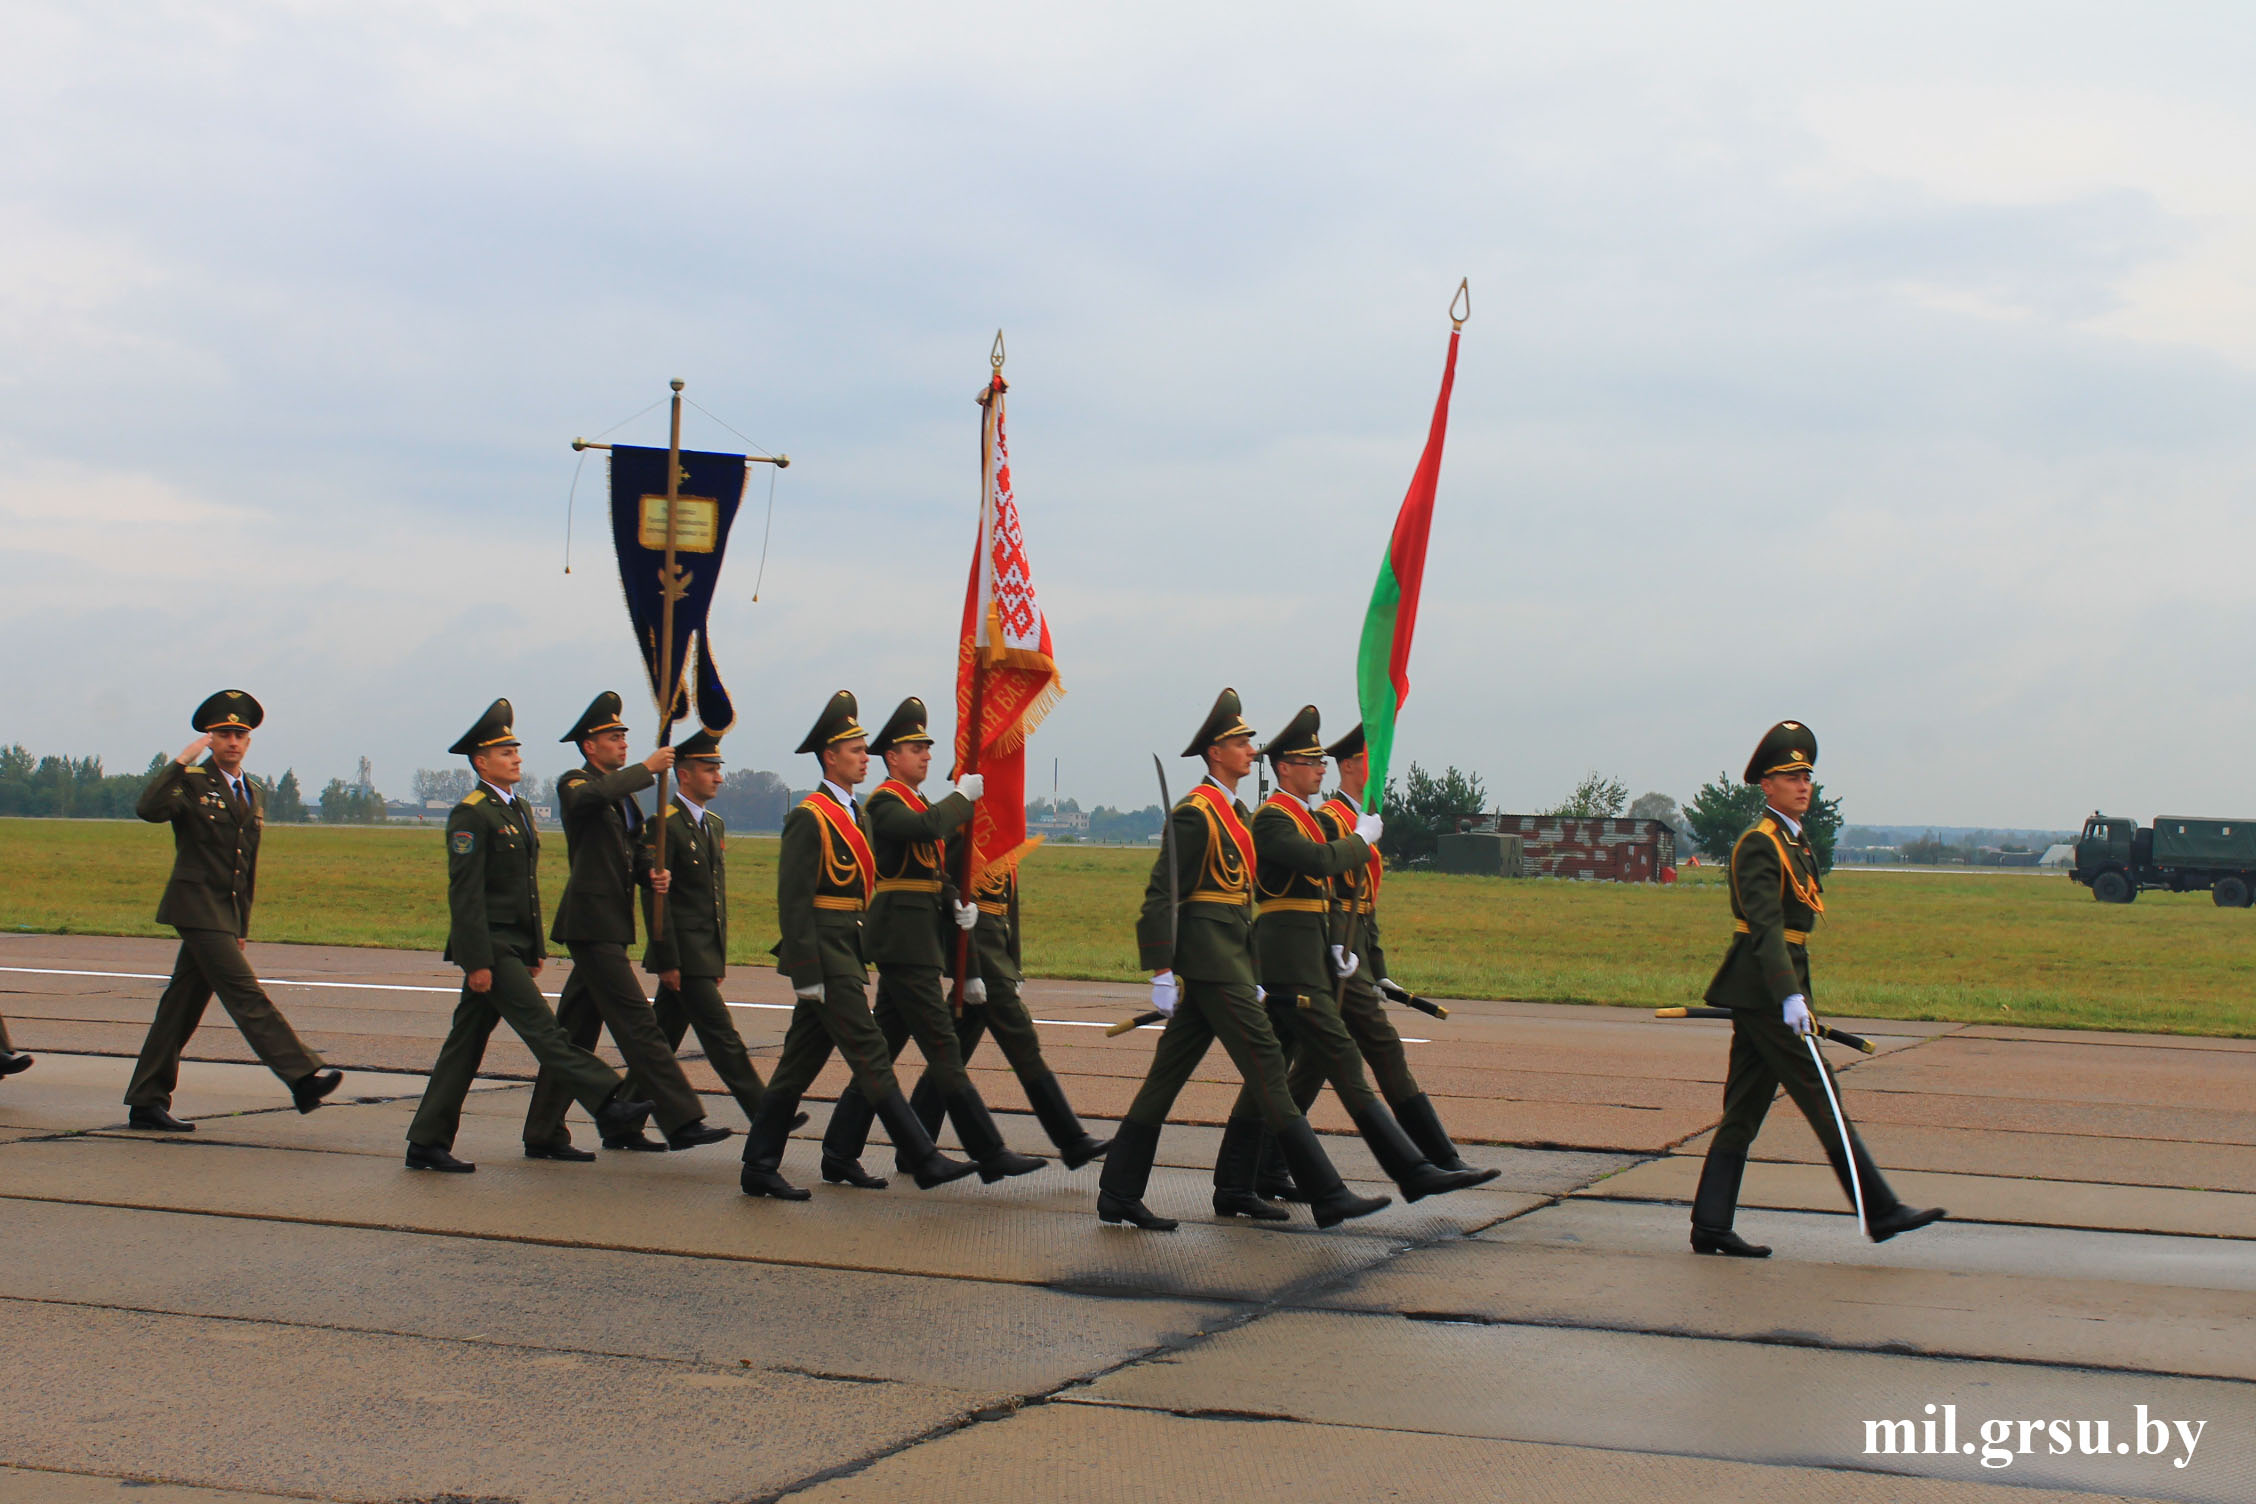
(1298, 739)
(1788, 747)
(230, 707)
(493, 729)
(601, 715)
(905, 726)
(1347, 746)
(700, 745)
(1226, 719)
(838, 723)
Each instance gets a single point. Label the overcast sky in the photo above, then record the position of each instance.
(1891, 368)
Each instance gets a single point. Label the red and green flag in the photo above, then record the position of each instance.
(1382, 663)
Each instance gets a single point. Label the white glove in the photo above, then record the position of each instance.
(1344, 961)
(811, 993)
(972, 785)
(1368, 827)
(1163, 994)
(1797, 1015)
(975, 989)
(1260, 993)
(967, 915)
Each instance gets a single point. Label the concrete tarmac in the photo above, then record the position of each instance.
(272, 1307)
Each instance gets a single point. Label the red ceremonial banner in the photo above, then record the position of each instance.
(1006, 673)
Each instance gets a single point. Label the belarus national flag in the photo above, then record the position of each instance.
(1382, 664)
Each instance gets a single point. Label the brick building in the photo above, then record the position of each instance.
(1621, 851)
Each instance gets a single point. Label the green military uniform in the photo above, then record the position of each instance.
(1362, 1004)
(825, 874)
(909, 914)
(1198, 924)
(1300, 912)
(494, 926)
(1776, 900)
(595, 921)
(694, 940)
(215, 844)
(993, 1006)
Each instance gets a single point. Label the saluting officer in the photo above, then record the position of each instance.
(1362, 1004)
(905, 935)
(1301, 965)
(689, 953)
(595, 921)
(1776, 899)
(825, 874)
(494, 935)
(992, 1005)
(216, 814)
(1195, 936)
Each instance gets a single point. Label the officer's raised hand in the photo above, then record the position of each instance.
(660, 761)
(194, 750)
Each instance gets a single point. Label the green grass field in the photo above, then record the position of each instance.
(2004, 948)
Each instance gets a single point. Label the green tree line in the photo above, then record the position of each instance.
(78, 788)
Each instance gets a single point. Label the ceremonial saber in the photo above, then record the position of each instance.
(1838, 1036)
(1174, 904)
(1841, 1125)
(1406, 998)
(1397, 993)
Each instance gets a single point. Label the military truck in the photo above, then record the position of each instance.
(2116, 859)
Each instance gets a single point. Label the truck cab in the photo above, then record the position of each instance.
(2104, 860)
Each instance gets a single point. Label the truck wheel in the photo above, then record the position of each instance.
(2112, 887)
(2229, 893)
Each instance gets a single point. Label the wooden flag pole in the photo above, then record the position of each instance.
(667, 668)
(986, 399)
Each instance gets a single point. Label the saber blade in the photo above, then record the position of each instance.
(1841, 1125)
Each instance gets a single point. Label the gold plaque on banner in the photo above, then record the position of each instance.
(696, 526)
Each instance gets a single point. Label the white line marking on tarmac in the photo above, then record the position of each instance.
(157, 976)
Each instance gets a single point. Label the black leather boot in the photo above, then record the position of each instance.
(1046, 1096)
(13, 1061)
(1127, 1170)
(1716, 1202)
(846, 1137)
(1328, 1196)
(763, 1149)
(620, 1118)
(1403, 1163)
(1423, 1124)
(157, 1119)
(307, 1091)
(1884, 1215)
(1271, 1180)
(432, 1157)
(983, 1141)
(1233, 1174)
(915, 1146)
(929, 1106)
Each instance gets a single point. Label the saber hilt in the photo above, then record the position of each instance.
(1128, 1024)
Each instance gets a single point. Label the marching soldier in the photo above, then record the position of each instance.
(992, 1005)
(1301, 966)
(494, 935)
(905, 931)
(1765, 980)
(1195, 937)
(10, 1061)
(216, 814)
(826, 873)
(595, 921)
(690, 954)
(1362, 1007)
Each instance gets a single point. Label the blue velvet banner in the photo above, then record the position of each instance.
(711, 487)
